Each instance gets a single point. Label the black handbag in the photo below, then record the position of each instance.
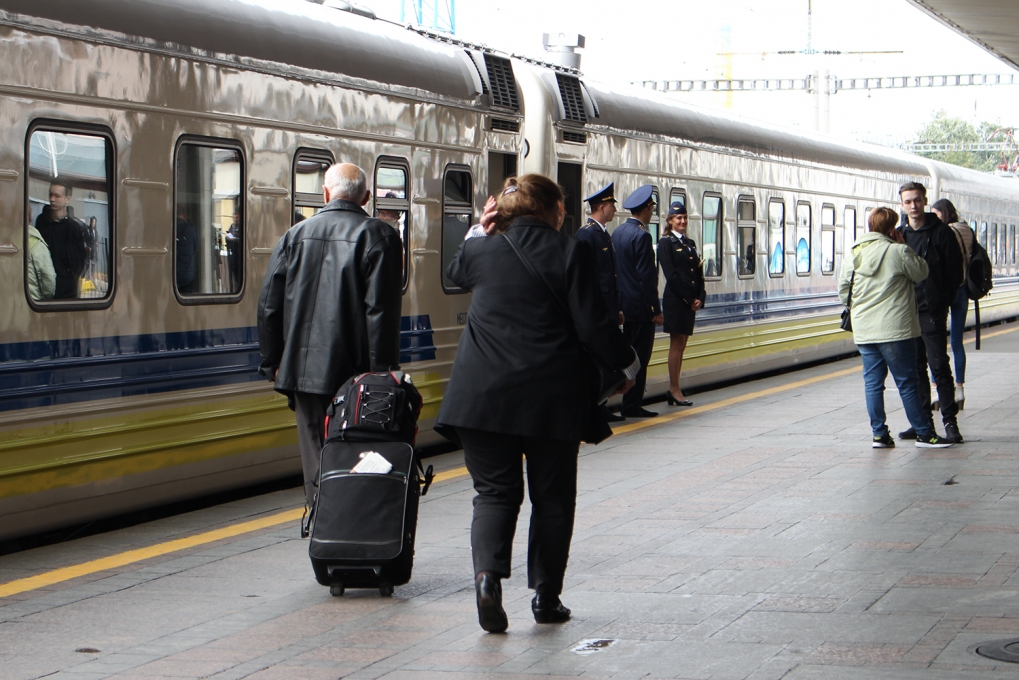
(847, 321)
(604, 380)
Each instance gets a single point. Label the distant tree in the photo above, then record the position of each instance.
(944, 129)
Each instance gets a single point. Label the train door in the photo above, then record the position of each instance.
(571, 180)
(501, 166)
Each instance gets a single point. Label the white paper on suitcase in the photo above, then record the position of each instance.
(372, 463)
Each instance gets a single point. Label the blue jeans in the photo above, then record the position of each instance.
(959, 308)
(900, 358)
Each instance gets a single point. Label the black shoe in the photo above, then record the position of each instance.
(933, 441)
(611, 417)
(908, 434)
(673, 401)
(884, 442)
(549, 609)
(491, 615)
(952, 433)
(639, 413)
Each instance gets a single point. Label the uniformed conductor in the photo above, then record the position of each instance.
(595, 233)
(637, 274)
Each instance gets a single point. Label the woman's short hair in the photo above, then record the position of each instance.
(945, 207)
(883, 220)
(530, 195)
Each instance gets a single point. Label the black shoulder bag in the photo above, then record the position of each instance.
(847, 321)
(605, 381)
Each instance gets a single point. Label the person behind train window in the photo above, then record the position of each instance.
(595, 234)
(234, 254)
(330, 306)
(42, 278)
(684, 292)
(947, 213)
(187, 247)
(934, 241)
(524, 392)
(876, 283)
(638, 290)
(65, 237)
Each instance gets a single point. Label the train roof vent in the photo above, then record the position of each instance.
(484, 82)
(573, 100)
(504, 85)
(503, 125)
(592, 105)
(575, 137)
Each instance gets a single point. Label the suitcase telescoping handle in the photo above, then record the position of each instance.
(426, 477)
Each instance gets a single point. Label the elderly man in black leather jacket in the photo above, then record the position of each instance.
(330, 306)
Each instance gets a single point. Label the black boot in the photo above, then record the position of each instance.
(491, 615)
(549, 609)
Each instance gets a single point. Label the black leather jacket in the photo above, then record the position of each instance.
(330, 304)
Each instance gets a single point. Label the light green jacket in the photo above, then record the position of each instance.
(883, 307)
(42, 278)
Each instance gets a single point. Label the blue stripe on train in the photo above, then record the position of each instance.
(47, 373)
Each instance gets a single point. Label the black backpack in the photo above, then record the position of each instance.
(374, 407)
(979, 275)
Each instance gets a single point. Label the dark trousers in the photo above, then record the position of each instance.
(932, 350)
(311, 414)
(641, 336)
(494, 461)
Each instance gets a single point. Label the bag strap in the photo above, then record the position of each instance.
(849, 298)
(563, 307)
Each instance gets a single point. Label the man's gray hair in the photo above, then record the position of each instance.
(346, 181)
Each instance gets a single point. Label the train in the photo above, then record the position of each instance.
(178, 141)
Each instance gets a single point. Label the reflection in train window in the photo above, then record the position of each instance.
(849, 218)
(457, 200)
(803, 225)
(69, 240)
(309, 176)
(827, 251)
(654, 225)
(776, 237)
(711, 232)
(208, 220)
(982, 235)
(391, 203)
(992, 241)
(746, 236)
(1011, 241)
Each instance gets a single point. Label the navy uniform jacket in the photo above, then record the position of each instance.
(684, 275)
(605, 259)
(637, 271)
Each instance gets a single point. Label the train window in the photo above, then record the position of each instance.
(849, 217)
(776, 237)
(208, 220)
(69, 230)
(746, 236)
(827, 251)
(392, 205)
(457, 202)
(711, 232)
(982, 235)
(1011, 240)
(677, 196)
(992, 243)
(309, 176)
(827, 216)
(654, 226)
(803, 226)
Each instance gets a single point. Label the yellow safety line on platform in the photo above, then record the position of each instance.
(991, 335)
(122, 559)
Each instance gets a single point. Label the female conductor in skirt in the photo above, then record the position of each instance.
(684, 293)
(519, 387)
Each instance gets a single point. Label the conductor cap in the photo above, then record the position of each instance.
(677, 208)
(639, 198)
(603, 195)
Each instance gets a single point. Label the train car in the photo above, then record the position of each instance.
(179, 141)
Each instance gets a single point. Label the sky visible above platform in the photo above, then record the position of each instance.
(682, 40)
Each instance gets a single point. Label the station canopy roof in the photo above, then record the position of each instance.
(992, 24)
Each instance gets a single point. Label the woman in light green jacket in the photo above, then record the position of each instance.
(881, 271)
(42, 278)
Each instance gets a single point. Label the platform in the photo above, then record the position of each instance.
(756, 535)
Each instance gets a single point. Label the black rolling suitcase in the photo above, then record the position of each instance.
(362, 524)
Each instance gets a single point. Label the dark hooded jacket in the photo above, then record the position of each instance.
(330, 304)
(937, 245)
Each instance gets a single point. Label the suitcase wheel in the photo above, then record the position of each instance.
(336, 591)
(386, 590)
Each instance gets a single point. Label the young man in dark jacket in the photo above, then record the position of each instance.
(64, 234)
(330, 306)
(932, 239)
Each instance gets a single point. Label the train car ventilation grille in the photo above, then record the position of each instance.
(504, 85)
(484, 85)
(505, 125)
(573, 101)
(575, 137)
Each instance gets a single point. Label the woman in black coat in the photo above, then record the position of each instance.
(519, 387)
(684, 293)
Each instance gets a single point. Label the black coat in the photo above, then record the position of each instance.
(605, 258)
(937, 245)
(681, 265)
(638, 274)
(518, 369)
(330, 304)
(68, 244)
